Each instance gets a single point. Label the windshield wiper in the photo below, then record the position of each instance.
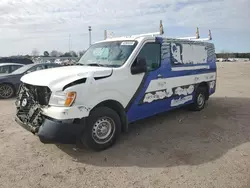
(90, 64)
(94, 64)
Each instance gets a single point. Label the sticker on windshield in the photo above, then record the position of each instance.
(128, 43)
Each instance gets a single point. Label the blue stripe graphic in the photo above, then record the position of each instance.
(139, 111)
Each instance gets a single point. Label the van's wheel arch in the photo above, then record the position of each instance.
(102, 129)
(119, 109)
(200, 98)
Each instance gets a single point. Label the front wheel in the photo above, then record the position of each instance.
(103, 127)
(6, 91)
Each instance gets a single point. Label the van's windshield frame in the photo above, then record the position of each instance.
(108, 53)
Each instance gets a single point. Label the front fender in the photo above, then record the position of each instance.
(97, 98)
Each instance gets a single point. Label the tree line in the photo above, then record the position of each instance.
(233, 55)
(55, 53)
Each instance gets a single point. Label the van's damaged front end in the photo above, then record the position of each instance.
(51, 104)
(32, 105)
(30, 102)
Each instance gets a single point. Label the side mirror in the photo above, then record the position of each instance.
(139, 66)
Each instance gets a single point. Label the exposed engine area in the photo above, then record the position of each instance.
(29, 103)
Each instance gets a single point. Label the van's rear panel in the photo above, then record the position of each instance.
(189, 58)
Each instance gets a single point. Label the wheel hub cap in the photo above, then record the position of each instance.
(5, 91)
(200, 99)
(103, 130)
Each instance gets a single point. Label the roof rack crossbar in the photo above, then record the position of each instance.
(146, 34)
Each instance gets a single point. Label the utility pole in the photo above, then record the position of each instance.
(90, 29)
(197, 33)
(161, 28)
(105, 34)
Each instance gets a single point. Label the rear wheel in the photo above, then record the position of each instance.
(6, 91)
(103, 127)
(199, 99)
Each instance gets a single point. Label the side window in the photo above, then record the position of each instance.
(15, 67)
(188, 54)
(152, 53)
(36, 68)
(176, 54)
(40, 68)
(4, 69)
(51, 66)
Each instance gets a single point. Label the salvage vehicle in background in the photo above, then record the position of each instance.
(7, 68)
(9, 83)
(20, 60)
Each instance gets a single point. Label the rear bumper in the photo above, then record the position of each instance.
(55, 131)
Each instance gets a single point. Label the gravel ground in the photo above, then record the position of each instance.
(210, 148)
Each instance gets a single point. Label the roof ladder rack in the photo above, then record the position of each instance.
(197, 37)
(161, 32)
(205, 39)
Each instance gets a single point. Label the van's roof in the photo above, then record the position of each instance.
(139, 38)
(122, 39)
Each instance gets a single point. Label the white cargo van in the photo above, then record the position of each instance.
(116, 82)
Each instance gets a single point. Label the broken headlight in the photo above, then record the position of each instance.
(61, 98)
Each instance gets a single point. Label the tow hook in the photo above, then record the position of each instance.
(34, 130)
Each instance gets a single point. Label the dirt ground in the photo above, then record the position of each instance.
(210, 148)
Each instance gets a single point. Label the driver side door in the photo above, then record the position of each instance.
(147, 100)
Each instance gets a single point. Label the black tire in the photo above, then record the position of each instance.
(89, 137)
(199, 99)
(10, 93)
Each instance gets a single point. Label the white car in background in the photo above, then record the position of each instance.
(58, 61)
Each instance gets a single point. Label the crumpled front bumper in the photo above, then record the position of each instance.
(55, 131)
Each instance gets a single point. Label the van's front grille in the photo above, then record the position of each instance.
(40, 94)
(29, 102)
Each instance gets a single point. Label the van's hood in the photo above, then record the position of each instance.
(57, 78)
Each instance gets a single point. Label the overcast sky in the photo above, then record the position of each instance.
(47, 24)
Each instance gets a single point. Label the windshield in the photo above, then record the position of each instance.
(110, 54)
(22, 69)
